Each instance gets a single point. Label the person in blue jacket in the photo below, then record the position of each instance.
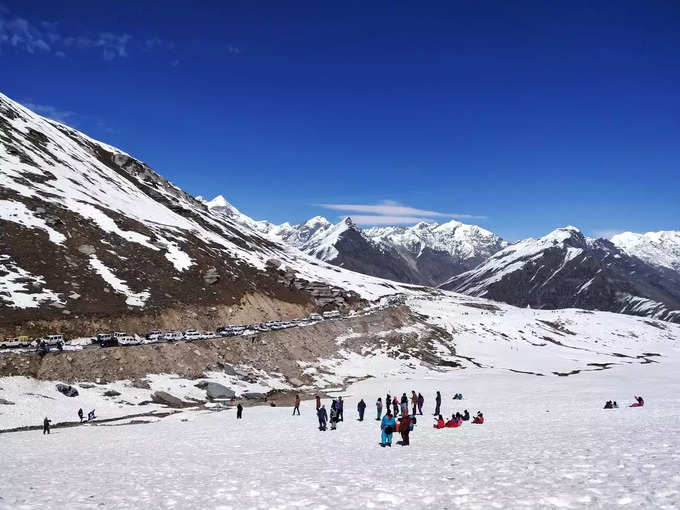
(361, 407)
(387, 426)
(323, 416)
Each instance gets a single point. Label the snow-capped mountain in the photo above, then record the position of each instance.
(88, 231)
(565, 269)
(426, 253)
(656, 248)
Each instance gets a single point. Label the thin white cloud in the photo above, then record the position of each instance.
(371, 219)
(50, 111)
(394, 209)
(607, 233)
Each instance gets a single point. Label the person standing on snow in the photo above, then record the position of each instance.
(438, 404)
(414, 402)
(361, 407)
(395, 406)
(404, 404)
(340, 405)
(80, 414)
(323, 416)
(46, 425)
(239, 411)
(318, 402)
(404, 429)
(297, 405)
(421, 402)
(388, 403)
(387, 429)
(334, 415)
(378, 407)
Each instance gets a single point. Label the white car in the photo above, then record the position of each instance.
(129, 340)
(192, 334)
(154, 336)
(52, 340)
(172, 336)
(334, 314)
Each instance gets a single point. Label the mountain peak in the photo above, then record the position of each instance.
(218, 201)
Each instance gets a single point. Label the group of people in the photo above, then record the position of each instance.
(90, 415)
(396, 406)
(612, 404)
(457, 420)
(336, 413)
(389, 425)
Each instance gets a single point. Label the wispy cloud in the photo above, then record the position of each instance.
(46, 37)
(389, 212)
(51, 112)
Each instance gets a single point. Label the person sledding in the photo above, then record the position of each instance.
(608, 405)
(466, 415)
(639, 402)
(615, 405)
(479, 419)
(454, 422)
(387, 426)
(439, 423)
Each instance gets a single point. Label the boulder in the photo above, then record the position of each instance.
(211, 276)
(162, 397)
(253, 395)
(6, 402)
(111, 393)
(295, 381)
(142, 384)
(67, 390)
(214, 390)
(201, 385)
(86, 386)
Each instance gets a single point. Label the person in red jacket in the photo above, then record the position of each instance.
(404, 429)
(318, 402)
(440, 423)
(479, 419)
(640, 402)
(453, 422)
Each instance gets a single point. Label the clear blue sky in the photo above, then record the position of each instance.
(531, 114)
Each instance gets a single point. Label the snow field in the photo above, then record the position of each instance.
(546, 444)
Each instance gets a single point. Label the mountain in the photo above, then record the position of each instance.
(565, 269)
(91, 235)
(425, 254)
(656, 248)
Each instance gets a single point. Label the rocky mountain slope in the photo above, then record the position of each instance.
(655, 248)
(89, 232)
(565, 269)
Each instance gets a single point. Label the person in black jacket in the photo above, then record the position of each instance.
(361, 407)
(46, 425)
(438, 402)
(80, 414)
(239, 411)
(466, 415)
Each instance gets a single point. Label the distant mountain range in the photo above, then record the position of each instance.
(87, 232)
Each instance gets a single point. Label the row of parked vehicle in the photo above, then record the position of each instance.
(118, 338)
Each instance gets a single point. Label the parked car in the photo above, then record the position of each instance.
(192, 334)
(315, 317)
(129, 340)
(108, 341)
(333, 314)
(172, 336)
(54, 340)
(154, 336)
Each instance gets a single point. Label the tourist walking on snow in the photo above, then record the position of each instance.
(361, 407)
(340, 407)
(323, 417)
(378, 408)
(239, 411)
(404, 404)
(80, 414)
(414, 401)
(421, 402)
(46, 425)
(297, 405)
(438, 404)
(318, 402)
(387, 427)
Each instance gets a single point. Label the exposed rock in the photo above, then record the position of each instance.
(253, 395)
(214, 390)
(162, 397)
(6, 402)
(87, 249)
(295, 381)
(142, 384)
(211, 276)
(111, 393)
(67, 390)
(201, 385)
(85, 386)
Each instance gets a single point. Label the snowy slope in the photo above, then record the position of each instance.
(567, 269)
(656, 248)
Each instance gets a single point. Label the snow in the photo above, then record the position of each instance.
(120, 286)
(17, 212)
(551, 447)
(21, 289)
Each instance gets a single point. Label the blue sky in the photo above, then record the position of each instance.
(519, 117)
